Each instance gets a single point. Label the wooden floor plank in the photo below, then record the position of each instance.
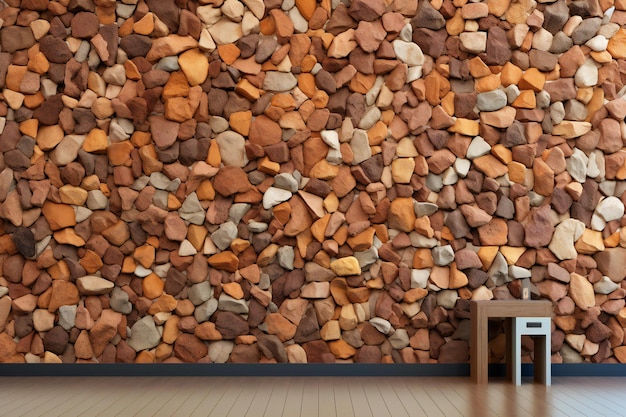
(308, 397)
(276, 402)
(326, 398)
(407, 399)
(343, 403)
(293, 402)
(261, 397)
(417, 390)
(359, 401)
(212, 397)
(375, 400)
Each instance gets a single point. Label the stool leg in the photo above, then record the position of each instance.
(543, 366)
(516, 360)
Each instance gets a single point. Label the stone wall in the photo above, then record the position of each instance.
(304, 181)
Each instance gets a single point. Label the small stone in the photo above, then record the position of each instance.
(346, 266)
(581, 291)
(94, 285)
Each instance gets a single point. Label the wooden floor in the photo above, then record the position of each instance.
(308, 396)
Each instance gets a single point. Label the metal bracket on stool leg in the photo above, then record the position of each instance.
(540, 328)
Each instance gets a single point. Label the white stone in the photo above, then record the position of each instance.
(474, 42)
(557, 112)
(605, 286)
(610, 208)
(449, 176)
(462, 166)
(400, 339)
(381, 325)
(587, 74)
(598, 43)
(542, 40)
(406, 33)
(517, 272)
(577, 165)
(67, 316)
(408, 52)
(206, 42)
(478, 147)
(300, 24)
(331, 138)
(419, 278)
(186, 249)
(250, 24)
(274, 196)
(233, 10)
(565, 234)
(414, 73)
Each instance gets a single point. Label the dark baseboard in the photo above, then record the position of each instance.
(243, 370)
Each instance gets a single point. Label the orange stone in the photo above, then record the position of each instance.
(533, 79)
(91, 261)
(233, 289)
(525, 100)
(152, 286)
(240, 122)
(144, 255)
(227, 261)
(511, 74)
(487, 83)
(228, 52)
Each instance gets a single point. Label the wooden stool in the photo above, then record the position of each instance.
(539, 328)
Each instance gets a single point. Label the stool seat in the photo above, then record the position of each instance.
(540, 329)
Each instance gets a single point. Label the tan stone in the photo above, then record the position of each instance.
(63, 293)
(279, 326)
(402, 215)
(194, 65)
(346, 266)
(589, 242)
(49, 136)
(490, 166)
(68, 237)
(581, 291)
(73, 195)
(465, 127)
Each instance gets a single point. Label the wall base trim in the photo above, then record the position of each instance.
(390, 370)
